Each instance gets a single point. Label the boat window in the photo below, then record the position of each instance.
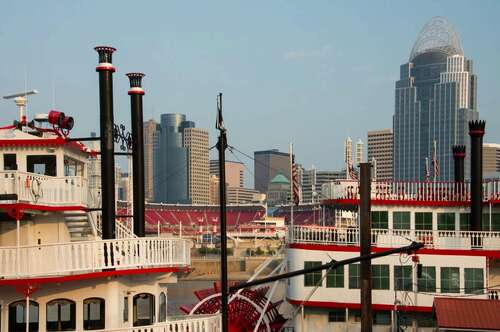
(354, 272)
(423, 220)
(144, 308)
(125, 309)
(446, 221)
(427, 283)
(94, 314)
(336, 315)
(335, 277)
(162, 315)
(401, 220)
(464, 222)
(381, 318)
(72, 167)
(380, 276)
(403, 277)
(450, 280)
(474, 281)
(312, 279)
(9, 162)
(43, 164)
(17, 316)
(380, 219)
(354, 315)
(61, 315)
(492, 225)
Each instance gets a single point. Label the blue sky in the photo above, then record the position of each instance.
(311, 72)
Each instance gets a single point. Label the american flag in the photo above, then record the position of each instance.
(435, 162)
(427, 171)
(295, 183)
(219, 122)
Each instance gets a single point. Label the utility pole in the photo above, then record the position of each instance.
(365, 244)
(222, 146)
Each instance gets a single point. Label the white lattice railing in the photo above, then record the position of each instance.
(44, 190)
(205, 323)
(86, 256)
(395, 238)
(411, 190)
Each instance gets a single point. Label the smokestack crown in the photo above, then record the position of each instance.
(105, 53)
(459, 151)
(135, 83)
(476, 127)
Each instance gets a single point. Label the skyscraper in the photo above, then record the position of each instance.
(434, 100)
(234, 172)
(360, 152)
(150, 143)
(181, 161)
(171, 161)
(195, 140)
(268, 164)
(380, 153)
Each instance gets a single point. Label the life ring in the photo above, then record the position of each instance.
(36, 189)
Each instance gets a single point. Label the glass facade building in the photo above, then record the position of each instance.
(434, 100)
(170, 166)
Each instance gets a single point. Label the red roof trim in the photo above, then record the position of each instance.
(57, 141)
(86, 276)
(471, 314)
(402, 202)
(342, 305)
(27, 206)
(423, 251)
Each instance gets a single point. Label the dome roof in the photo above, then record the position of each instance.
(280, 179)
(438, 35)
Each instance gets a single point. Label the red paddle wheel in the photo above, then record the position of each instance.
(245, 309)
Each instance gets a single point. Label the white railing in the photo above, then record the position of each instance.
(87, 256)
(412, 190)
(205, 323)
(44, 190)
(463, 240)
(123, 229)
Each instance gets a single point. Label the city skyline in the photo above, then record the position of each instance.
(271, 74)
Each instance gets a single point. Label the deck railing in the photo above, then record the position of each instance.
(434, 239)
(88, 256)
(412, 190)
(40, 189)
(205, 323)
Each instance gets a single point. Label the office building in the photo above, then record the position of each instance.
(150, 142)
(312, 180)
(235, 171)
(360, 152)
(491, 160)
(380, 153)
(435, 98)
(279, 191)
(181, 164)
(268, 164)
(239, 195)
(196, 142)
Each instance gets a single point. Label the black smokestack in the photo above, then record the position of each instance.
(476, 132)
(105, 69)
(136, 92)
(365, 228)
(459, 157)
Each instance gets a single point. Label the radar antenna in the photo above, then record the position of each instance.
(20, 100)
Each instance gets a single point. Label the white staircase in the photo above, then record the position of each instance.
(79, 226)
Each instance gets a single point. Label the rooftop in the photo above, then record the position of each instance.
(467, 313)
(437, 36)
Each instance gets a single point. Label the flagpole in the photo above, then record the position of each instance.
(291, 191)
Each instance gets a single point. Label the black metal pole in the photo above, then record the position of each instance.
(106, 69)
(221, 146)
(476, 132)
(414, 246)
(365, 245)
(458, 161)
(136, 92)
